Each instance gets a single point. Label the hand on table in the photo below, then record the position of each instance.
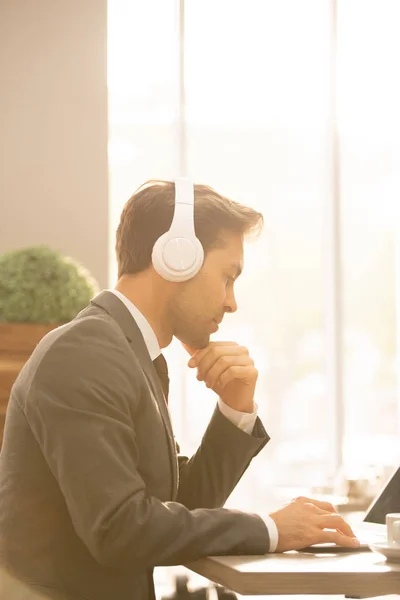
(304, 522)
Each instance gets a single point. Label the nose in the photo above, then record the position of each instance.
(230, 303)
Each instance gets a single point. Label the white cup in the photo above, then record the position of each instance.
(393, 529)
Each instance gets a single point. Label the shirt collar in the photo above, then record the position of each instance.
(147, 332)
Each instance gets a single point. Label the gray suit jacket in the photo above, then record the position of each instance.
(92, 492)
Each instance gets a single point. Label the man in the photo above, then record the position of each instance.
(92, 493)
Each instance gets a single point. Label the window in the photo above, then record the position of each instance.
(291, 107)
(369, 125)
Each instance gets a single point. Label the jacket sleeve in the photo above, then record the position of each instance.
(83, 425)
(208, 478)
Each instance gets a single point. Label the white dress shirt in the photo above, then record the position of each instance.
(245, 421)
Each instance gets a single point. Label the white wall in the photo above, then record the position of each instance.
(53, 128)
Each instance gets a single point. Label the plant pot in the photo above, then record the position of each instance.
(17, 342)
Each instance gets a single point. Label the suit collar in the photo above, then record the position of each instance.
(146, 330)
(120, 313)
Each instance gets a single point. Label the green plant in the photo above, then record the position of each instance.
(40, 285)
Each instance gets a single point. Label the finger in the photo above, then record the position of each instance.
(318, 503)
(339, 539)
(206, 358)
(199, 354)
(192, 351)
(245, 374)
(319, 511)
(212, 376)
(334, 521)
(311, 507)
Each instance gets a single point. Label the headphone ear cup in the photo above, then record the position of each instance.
(177, 258)
(178, 254)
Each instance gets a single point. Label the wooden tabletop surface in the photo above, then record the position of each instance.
(353, 574)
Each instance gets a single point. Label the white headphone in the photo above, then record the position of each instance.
(178, 254)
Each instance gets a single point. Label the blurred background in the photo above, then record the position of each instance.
(290, 106)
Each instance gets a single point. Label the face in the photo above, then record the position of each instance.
(199, 305)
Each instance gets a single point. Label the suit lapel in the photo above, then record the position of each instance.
(118, 311)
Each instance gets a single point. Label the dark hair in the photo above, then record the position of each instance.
(149, 212)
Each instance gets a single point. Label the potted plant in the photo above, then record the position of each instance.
(40, 289)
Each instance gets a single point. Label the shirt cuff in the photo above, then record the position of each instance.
(272, 531)
(245, 421)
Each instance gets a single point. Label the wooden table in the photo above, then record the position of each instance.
(352, 574)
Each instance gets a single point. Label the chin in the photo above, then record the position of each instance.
(204, 343)
(198, 342)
